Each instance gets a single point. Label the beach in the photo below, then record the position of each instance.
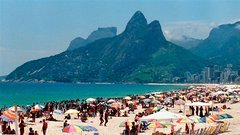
(114, 122)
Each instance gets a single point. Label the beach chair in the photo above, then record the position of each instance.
(178, 131)
(196, 132)
(227, 126)
(205, 131)
(210, 130)
(200, 131)
(218, 128)
(223, 127)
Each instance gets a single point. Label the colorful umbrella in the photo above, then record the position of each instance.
(220, 116)
(206, 120)
(8, 115)
(195, 119)
(4, 118)
(37, 107)
(184, 120)
(72, 129)
(155, 102)
(227, 116)
(156, 125)
(214, 117)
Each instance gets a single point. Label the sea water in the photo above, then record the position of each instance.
(22, 93)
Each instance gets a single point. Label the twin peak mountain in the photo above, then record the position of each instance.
(139, 54)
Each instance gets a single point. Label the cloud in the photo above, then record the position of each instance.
(194, 29)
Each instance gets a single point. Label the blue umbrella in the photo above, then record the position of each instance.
(147, 100)
(227, 116)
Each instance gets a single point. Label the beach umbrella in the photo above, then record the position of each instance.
(37, 107)
(227, 116)
(19, 109)
(147, 100)
(180, 102)
(115, 105)
(128, 98)
(185, 120)
(71, 111)
(72, 129)
(158, 96)
(151, 97)
(156, 125)
(8, 115)
(58, 111)
(130, 102)
(111, 101)
(214, 117)
(157, 108)
(220, 116)
(91, 100)
(195, 119)
(206, 120)
(141, 97)
(88, 128)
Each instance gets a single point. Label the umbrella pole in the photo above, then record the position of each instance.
(16, 119)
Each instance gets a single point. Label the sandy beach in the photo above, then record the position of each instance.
(112, 128)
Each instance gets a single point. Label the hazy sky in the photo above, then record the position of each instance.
(31, 29)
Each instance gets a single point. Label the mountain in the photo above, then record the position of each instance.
(186, 42)
(222, 46)
(95, 35)
(140, 53)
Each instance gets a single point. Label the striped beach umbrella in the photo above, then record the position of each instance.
(185, 120)
(214, 117)
(9, 115)
(72, 129)
(227, 116)
(220, 116)
(156, 125)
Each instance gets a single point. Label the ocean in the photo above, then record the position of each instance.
(23, 93)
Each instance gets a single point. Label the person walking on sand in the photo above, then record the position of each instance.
(44, 127)
(101, 119)
(21, 126)
(106, 117)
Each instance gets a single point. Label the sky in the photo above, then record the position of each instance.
(32, 29)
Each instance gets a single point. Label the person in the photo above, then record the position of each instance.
(31, 132)
(106, 117)
(186, 129)
(193, 125)
(36, 133)
(33, 112)
(21, 126)
(68, 117)
(7, 130)
(44, 127)
(197, 108)
(65, 124)
(127, 129)
(172, 130)
(134, 129)
(101, 119)
(201, 111)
